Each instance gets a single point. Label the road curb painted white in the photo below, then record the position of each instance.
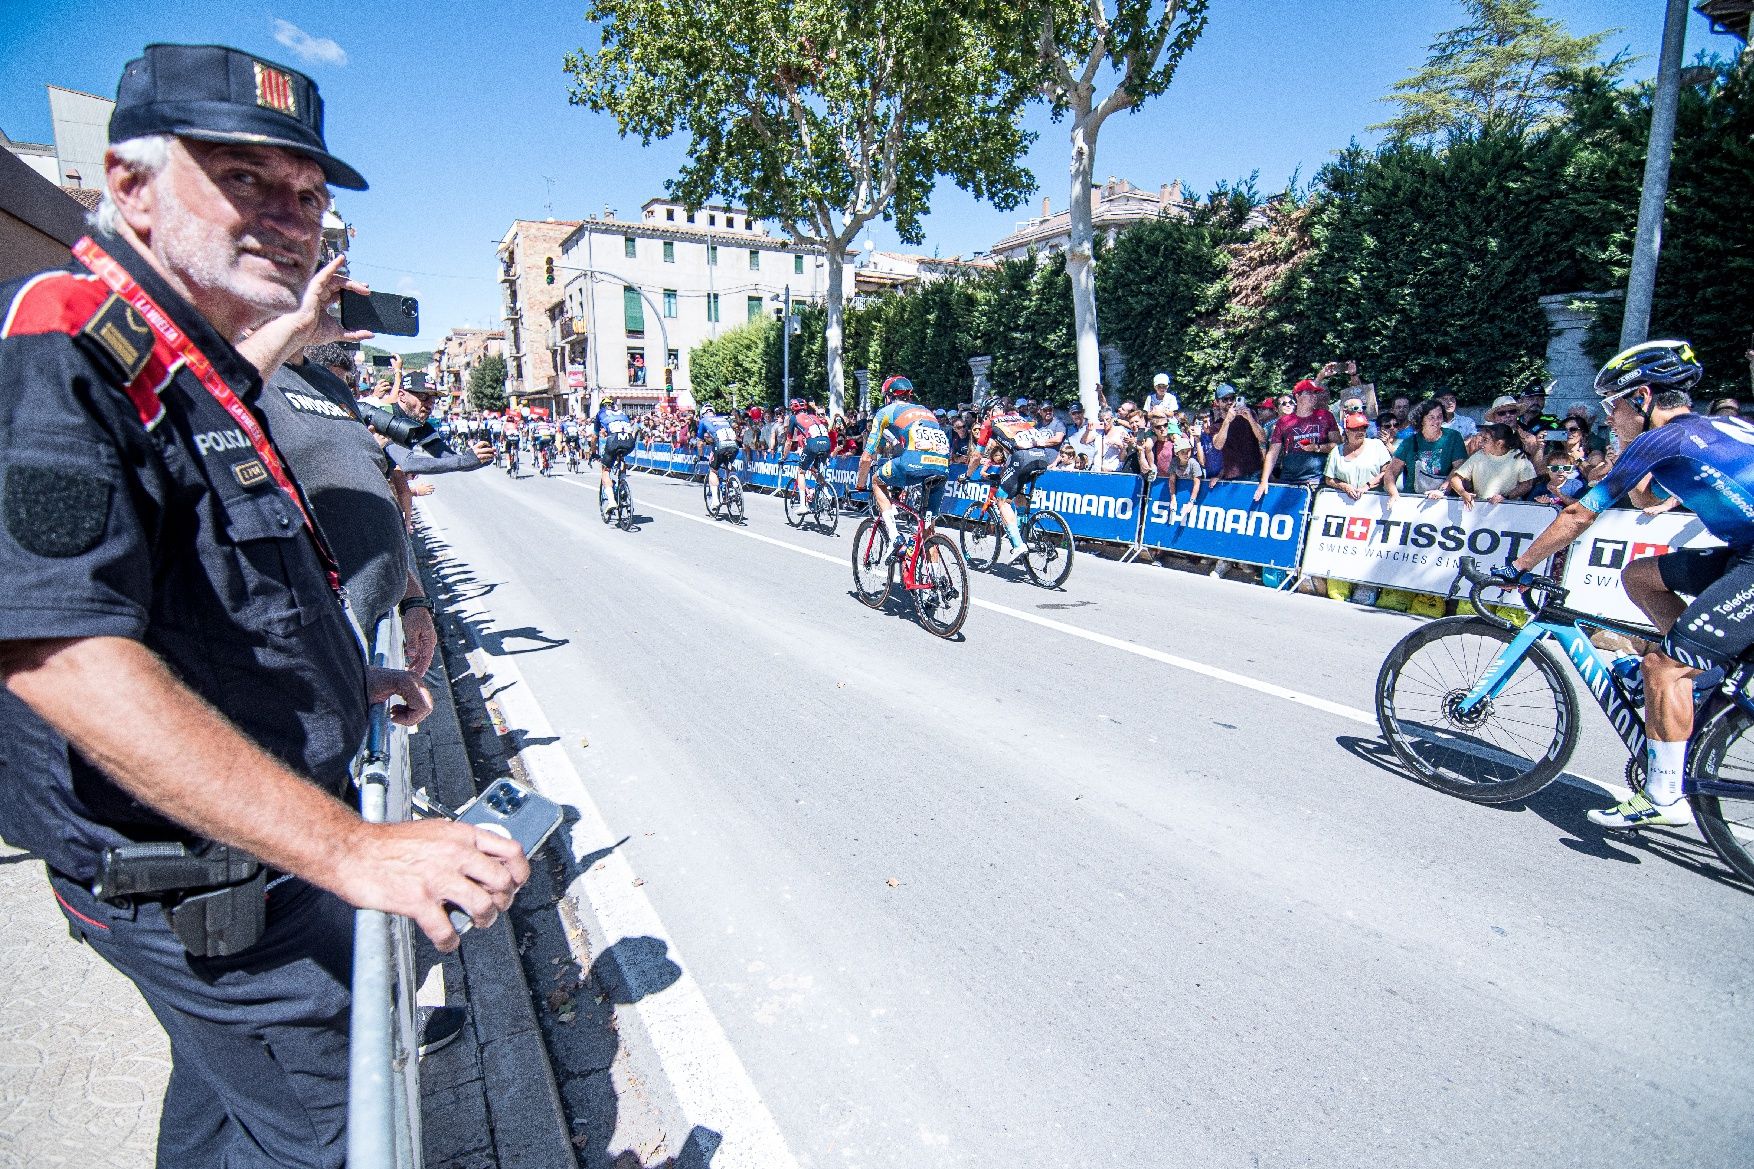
(689, 1072)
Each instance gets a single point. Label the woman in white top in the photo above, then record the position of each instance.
(1497, 471)
(1361, 463)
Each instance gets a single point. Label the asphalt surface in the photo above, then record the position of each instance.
(1028, 899)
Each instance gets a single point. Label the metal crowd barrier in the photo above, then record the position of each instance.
(383, 1090)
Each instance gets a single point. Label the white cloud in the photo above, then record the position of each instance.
(307, 47)
(406, 286)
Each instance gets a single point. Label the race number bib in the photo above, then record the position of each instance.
(816, 430)
(621, 428)
(725, 436)
(929, 439)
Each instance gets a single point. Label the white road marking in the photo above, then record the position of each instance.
(709, 1082)
(1216, 673)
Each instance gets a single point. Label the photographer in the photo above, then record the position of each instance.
(398, 414)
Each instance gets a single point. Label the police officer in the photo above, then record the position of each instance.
(179, 670)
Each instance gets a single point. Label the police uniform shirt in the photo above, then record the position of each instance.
(174, 537)
(317, 429)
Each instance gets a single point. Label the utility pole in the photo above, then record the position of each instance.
(1641, 281)
(786, 347)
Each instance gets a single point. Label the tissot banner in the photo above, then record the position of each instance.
(1616, 539)
(1412, 542)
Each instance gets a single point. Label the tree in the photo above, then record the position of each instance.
(732, 369)
(819, 115)
(1139, 44)
(486, 388)
(1508, 67)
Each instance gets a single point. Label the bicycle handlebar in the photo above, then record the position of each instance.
(1539, 594)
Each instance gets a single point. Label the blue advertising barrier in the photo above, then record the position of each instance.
(1226, 523)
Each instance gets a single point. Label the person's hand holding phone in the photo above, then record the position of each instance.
(311, 323)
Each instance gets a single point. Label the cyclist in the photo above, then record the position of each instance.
(1027, 454)
(809, 431)
(569, 438)
(923, 455)
(717, 441)
(618, 435)
(1709, 464)
(542, 441)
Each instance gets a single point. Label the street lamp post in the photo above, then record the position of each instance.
(1641, 281)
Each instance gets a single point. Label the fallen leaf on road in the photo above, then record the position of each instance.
(638, 881)
(840, 685)
(584, 742)
(892, 882)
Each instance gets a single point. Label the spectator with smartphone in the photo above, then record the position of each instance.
(1299, 445)
(1239, 440)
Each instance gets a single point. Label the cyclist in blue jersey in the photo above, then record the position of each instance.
(1709, 464)
(615, 435)
(717, 440)
(921, 454)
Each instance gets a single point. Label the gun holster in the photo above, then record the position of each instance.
(215, 897)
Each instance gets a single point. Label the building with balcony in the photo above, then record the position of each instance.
(528, 246)
(881, 272)
(457, 356)
(641, 293)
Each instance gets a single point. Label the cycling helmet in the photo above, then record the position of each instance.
(798, 404)
(898, 387)
(1661, 365)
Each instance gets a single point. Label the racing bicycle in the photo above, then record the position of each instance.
(572, 455)
(822, 505)
(617, 506)
(931, 569)
(730, 502)
(511, 458)
(1045, 533)
(1478, 708)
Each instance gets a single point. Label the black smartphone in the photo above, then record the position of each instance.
(382, 361)
(388, 313)
(515, 812)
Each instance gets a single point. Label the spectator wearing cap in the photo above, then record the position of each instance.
(1174, 454)
(1431, 454)
(1049, 430)
(1498, 471)
(1504, 408)
(1361, 462)
(1081, 434)
(1299, 444)
(1160, 397)
(1531, 404)
(399, 412)
(1352, 407)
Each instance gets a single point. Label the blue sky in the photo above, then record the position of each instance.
(457, 113)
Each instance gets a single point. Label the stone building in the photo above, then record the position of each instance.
(880, 272)
(525, 255)
(641, 293)
(457, 356)
(1115, 206)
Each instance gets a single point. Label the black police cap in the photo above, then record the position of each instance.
(216, 94)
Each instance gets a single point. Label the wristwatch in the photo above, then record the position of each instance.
(415, 602)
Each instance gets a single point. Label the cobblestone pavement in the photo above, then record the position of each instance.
(83, 1063)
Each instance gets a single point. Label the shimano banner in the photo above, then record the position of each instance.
(1413, 542)
(1593, 564)
(1095, 506)
(1223, 521)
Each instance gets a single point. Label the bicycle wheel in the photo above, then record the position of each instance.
(871, 568)
(826, 508)
(795, 509)
(942, 606)
(623, 502)
(1509, 746)
(1049, 559)
(733, 499)
(980, 542)
(706, 495)
(1723, 762)
(606, 504)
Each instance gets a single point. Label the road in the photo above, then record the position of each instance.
(1037, 899)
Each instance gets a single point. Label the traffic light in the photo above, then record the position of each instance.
(548, 269)
(669, 380)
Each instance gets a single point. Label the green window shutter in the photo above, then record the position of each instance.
(754, 260)
(797, 265)
(670, 303)
(755, 308)
(669, 252)
(712, 255)
(630, 246)
(634, 309)
(712, 307)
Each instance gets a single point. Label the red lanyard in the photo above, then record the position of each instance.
(104, 266)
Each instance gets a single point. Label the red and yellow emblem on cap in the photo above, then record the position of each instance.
(274, 90)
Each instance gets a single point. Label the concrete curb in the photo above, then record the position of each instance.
(492, 1102)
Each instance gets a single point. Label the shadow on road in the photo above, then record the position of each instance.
(1566, 807)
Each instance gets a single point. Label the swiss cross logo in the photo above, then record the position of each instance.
(1649, 550)
(274, 90)
(1358, 528)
